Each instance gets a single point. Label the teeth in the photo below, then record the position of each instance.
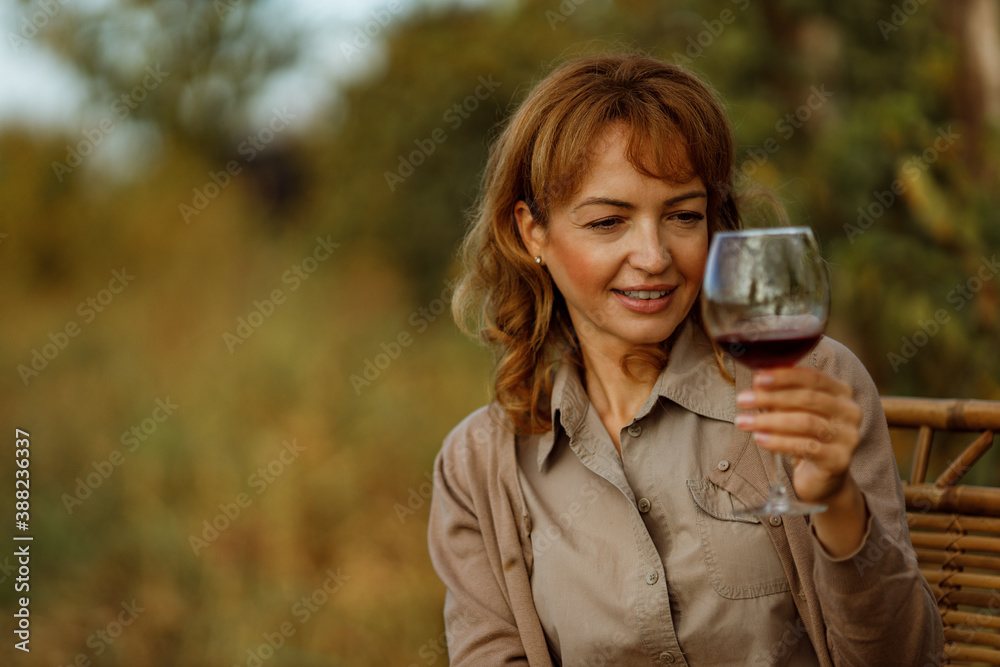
(644, 294)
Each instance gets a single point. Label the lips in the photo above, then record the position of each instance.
(646, 299)
(645, 294)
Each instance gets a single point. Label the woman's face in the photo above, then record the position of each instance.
(626, 251)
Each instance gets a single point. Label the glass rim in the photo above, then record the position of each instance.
(761, 231)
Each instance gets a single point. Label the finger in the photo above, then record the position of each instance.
(795, 398)
(800, 377)
(802, 424)
(834, 458)
(835, 408)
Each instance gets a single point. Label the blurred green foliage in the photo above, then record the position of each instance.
(869, 105)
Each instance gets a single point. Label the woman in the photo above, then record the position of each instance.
(587, 515)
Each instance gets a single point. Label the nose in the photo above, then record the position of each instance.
(649, 252)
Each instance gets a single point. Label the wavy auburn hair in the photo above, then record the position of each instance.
(540, 157)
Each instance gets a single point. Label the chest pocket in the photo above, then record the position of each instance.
(739, 555)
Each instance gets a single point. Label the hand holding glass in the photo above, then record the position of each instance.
(765, 300)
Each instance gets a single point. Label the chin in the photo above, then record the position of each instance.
(652, 336)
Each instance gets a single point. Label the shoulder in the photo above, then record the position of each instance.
(482, 430)
(474, 446)
(838, 361)
(833, 357)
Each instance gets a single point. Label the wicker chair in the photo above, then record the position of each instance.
(955, 528)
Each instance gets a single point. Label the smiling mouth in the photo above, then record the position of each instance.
(645, 295)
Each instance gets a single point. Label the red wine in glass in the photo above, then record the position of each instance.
(775, 344)
(765, 300)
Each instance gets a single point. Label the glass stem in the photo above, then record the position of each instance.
(777, 487)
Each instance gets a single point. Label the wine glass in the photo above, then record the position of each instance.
(765, 300)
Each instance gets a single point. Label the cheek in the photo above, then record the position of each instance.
(692, 259)
(582, 269)
(698, 267)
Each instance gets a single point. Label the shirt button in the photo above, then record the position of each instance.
(644, 505)
(667, 657)
(651, 577)
(634, 430)
(723, 466)
(775, 520)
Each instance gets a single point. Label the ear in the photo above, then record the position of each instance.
(532, 233)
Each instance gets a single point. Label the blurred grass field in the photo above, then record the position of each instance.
(332, 508)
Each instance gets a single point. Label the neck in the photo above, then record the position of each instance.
(616, 396)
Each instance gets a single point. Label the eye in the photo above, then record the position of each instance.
(688, 217)
(605, 224)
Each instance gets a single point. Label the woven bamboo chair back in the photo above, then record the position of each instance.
(955, 528)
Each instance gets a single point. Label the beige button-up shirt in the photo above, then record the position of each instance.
(638, 557)
(871, 607)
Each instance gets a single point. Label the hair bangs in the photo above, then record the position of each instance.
(562, 157)
(657, 148)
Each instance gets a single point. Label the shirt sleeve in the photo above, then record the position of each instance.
(877, 607)
(480, 624)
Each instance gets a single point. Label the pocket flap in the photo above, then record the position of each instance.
(740, 558)
(717, 502)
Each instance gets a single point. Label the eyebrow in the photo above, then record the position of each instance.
(618, 203)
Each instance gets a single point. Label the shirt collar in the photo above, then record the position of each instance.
(569, 407)
(691, 379)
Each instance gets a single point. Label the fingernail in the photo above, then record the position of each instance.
(763, 379)
(761, 437)
(746, 398)
(744, 420)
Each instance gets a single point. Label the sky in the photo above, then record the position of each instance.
(39, 89)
